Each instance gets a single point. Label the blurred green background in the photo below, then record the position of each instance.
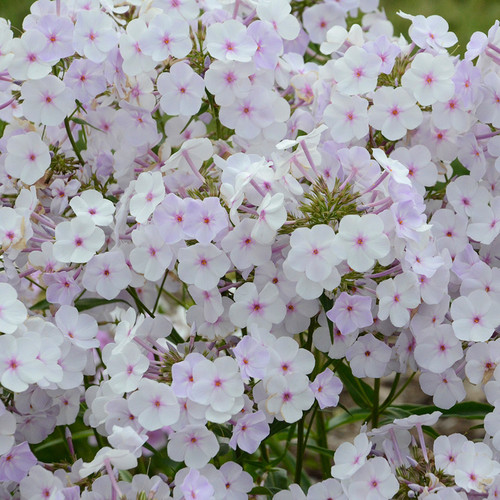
(464, 16)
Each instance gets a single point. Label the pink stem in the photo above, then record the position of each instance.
(422, 442)
(302, 170)
(196, 172)
(487, 136)
(257, 188)
(384, 273)
(374, 204)
(249, 18)
(309, 157)
(375, 184)
(115, 489)
(492, 56)
(236, 8)
(28, 272)
(493, 47)
(348, 179)
(7, 104)
(243, 208)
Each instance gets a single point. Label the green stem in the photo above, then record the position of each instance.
(263, 452)
(300, 450)
(138, 302)
(282, 454)
(100, 442)
(150, 448)
(405, 385)
(79, 296)
(310, 332)
(322, 440)
(157, 301)
(388, 399)
(35, 283)
(174, 298)
(315, 409)
(72, 141)
(375, 408)
(215, 112)
(65, 443)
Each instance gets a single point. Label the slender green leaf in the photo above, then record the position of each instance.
(277, 426)
(83, 122)
(174, 337)
(355, 415)
(360, 391)
(430, 432)
(458, 168)
(261, 490)
(321, 451)
(220, 430)
(468, 409)
(125, 475)
(86, 304)
(277, 478)
(42, 305)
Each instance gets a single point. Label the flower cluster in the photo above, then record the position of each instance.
(218, 219)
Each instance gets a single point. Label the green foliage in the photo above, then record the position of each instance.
(15, 11)
(324, 206)
(463, 16)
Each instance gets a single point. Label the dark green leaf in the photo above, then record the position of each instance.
(277, 426)
(458, 168)
(360, 391)
(327, 305)
(175, 338)
(220, 430)
(261, 490)
(430, 432)
(321, 451)
(469, 410)
(355, 415)
(277, 478)
(85, 304)
(42, 305)
(83, 122)
(125, 475)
